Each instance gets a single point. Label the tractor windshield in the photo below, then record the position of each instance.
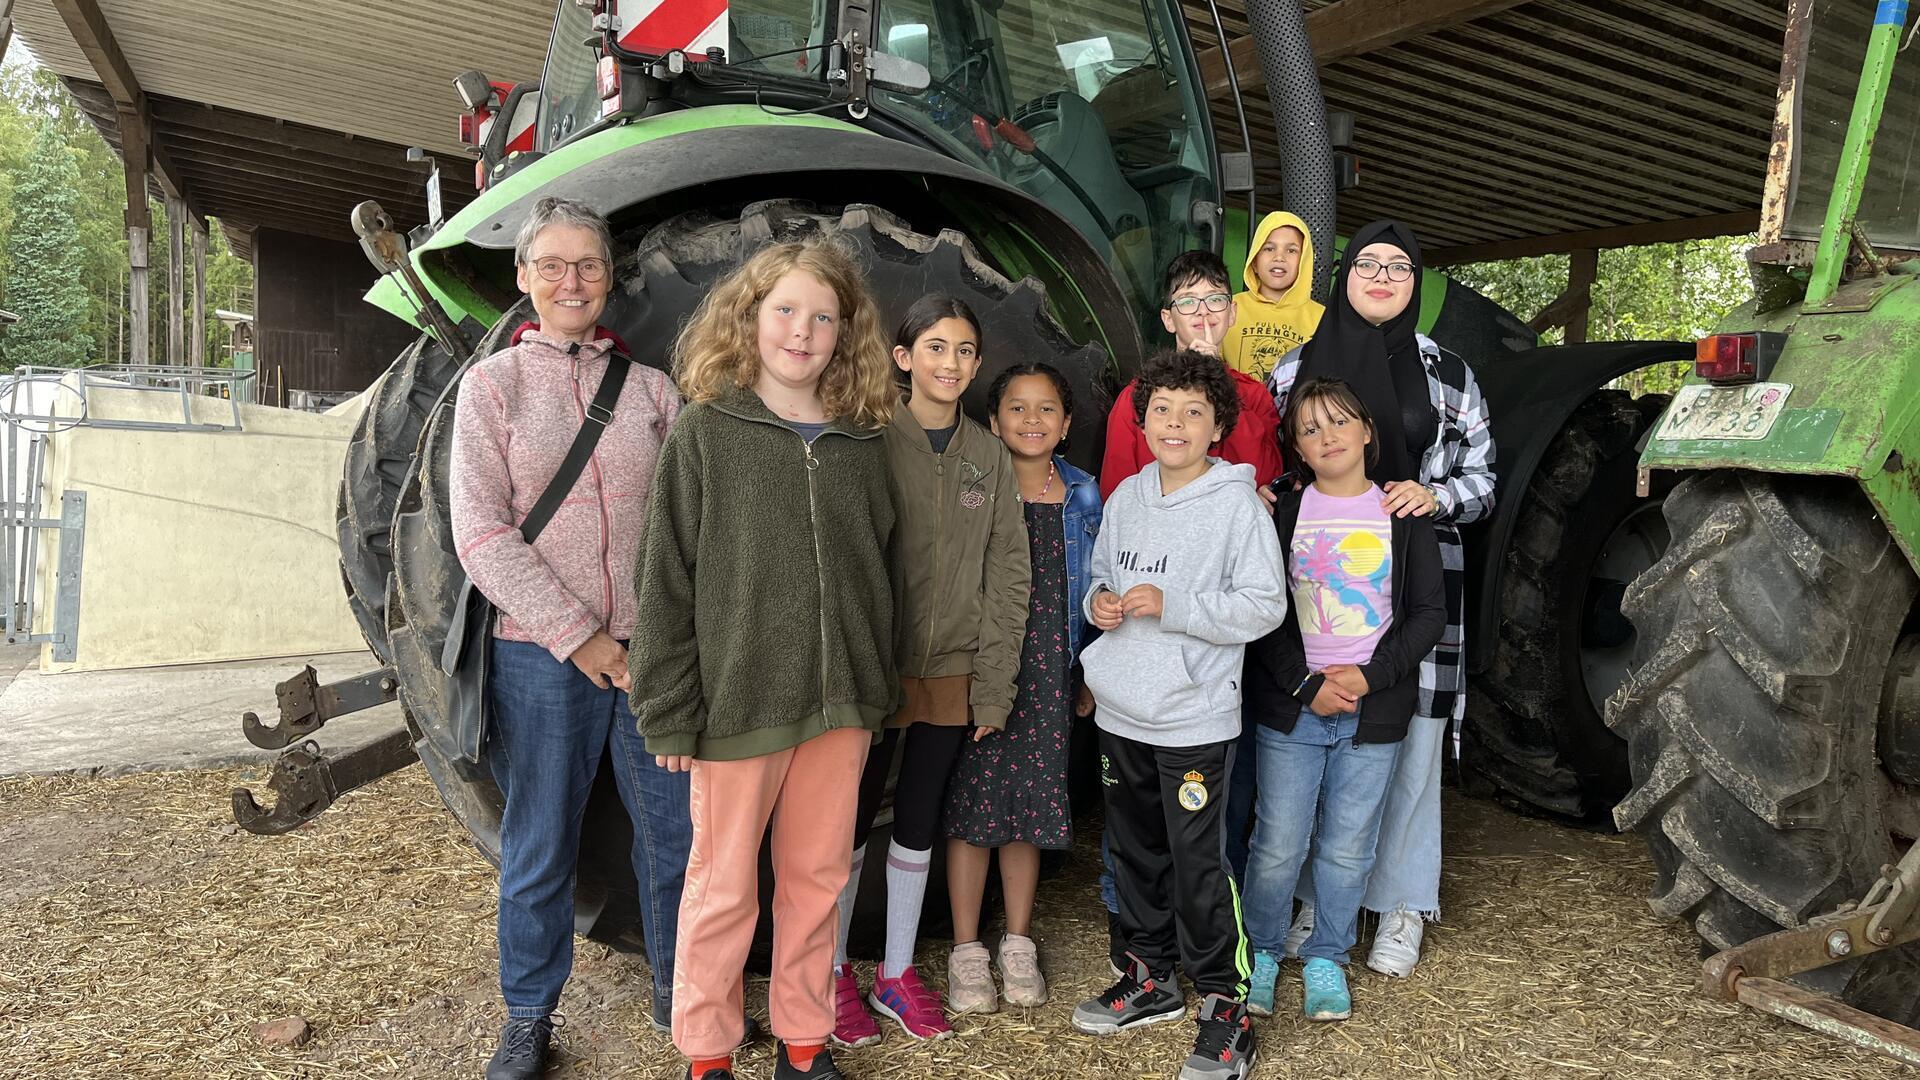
(1890, 207)
(1114, 136)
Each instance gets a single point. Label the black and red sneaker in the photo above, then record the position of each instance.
(1140, 998)
(1223, 1050)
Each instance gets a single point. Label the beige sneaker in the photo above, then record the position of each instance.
(1020, 971)
(970, 980)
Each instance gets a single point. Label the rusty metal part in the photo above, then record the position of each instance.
(388, 252)
(306, 705)
(1830, 1017)
(1779, 183)
(307, 781)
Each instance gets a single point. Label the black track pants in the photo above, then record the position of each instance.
(1168, 835)
(921, 791)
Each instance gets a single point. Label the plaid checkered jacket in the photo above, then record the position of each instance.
(1459, 466)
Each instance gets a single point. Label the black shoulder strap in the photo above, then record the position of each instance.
(599, 415)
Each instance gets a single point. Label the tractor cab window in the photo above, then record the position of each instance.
(1089, 106)
(1890, 205)
(569, 87)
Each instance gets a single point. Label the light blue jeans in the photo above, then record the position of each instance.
(1318, 789)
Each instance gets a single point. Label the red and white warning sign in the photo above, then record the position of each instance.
(656, 27)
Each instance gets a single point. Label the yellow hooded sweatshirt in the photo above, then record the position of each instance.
(1265, 330)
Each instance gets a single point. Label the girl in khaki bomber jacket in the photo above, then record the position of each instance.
(965, 578)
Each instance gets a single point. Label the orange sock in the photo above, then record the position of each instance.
(700, 1067)
(801, 1057)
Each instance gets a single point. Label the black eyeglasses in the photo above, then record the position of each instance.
(553, 268)
(1370, 269)
(1187, 305)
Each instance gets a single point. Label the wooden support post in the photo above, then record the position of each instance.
(1582, 269)
(198, 352)
(176, 282)
(133, 151)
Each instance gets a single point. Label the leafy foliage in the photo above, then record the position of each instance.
(44, 286)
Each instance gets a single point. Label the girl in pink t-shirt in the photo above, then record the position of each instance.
(1333, 690)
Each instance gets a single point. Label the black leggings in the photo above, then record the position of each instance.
(921, 791)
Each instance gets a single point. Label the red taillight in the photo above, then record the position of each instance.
(467, 130)
(1737, 358)
(479, 176)
(609, 71)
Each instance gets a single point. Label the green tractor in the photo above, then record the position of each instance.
(962, 148)
(1772, 709)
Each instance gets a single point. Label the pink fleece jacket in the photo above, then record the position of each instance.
(517, 414)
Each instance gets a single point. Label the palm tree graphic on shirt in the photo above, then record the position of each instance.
(1331, 567)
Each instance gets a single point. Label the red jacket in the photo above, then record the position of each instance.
(1255, 439)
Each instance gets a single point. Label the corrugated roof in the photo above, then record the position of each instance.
(1538, 119)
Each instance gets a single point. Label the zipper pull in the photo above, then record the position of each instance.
(812, 462)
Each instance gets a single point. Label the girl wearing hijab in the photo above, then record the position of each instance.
(1435, 460)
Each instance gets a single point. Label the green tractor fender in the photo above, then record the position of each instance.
(642, 172)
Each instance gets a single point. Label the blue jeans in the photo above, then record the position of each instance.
(1315, 776)
(551, 726)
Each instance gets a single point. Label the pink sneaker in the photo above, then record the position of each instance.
(853, 1025)
(908, 1001)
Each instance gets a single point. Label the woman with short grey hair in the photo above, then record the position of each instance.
(557, 687)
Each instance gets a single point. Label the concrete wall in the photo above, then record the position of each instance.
(200, 546)
(314, 332)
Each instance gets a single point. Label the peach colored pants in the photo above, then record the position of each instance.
(809, 793)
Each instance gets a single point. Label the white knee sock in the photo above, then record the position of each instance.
(906, 892)
(847, 893)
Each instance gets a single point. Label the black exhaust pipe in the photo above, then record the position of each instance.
(1300, 119)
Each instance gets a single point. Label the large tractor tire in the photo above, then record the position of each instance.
(664, 274)
(1536, 730)
(1766, 634)
(380, 455)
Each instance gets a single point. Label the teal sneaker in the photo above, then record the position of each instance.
(1326, 997)
(1266, 972)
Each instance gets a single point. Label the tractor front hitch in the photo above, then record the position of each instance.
(1755, 973)
(306, 705)
(307, 781)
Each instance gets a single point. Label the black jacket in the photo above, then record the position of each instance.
(1277, 663)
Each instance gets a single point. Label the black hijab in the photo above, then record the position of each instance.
(1382, 363)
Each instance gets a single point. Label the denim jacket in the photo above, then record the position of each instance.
(1081, 515)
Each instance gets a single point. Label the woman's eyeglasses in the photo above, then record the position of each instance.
(1187, 305)
(553, 268)
(1370, 269)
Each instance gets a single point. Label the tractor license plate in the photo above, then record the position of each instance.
(1724, 412)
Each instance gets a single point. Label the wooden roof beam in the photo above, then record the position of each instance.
(1654, 232)
(6, 26)
(1349, 28)
(95, 38)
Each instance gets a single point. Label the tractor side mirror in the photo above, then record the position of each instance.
(910, 42)
(898, 74)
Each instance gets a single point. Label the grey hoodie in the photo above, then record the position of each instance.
(1174, 680)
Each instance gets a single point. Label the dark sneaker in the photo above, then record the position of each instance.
(823, 1067)
(523, 1048)
(1223, 1050)
(1138, 999)
(1116, 946)
(710, 1074)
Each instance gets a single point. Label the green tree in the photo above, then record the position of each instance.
(45, 262)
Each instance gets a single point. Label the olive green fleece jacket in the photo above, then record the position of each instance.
(764, 590)
(966, 574)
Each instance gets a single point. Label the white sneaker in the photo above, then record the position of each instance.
(1301, 930)
(970, 980)
(1396, 944)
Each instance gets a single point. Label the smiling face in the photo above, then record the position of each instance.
(1203, 325)
(1031, 419)
(799, 324)
(1332, 442)
(1180, 429)
(1277, 264)
(942, 362)
(569, 308)
(1381, 298)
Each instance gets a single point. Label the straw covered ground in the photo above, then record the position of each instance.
(142, 935)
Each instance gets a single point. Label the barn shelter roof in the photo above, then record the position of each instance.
(1496, 128)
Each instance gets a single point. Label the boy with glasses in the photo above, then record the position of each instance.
(1197, 308)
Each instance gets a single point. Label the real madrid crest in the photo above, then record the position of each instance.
(1193, 793)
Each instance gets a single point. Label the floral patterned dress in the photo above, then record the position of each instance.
(1012, 785)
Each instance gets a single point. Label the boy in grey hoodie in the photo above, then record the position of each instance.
(1187, 569)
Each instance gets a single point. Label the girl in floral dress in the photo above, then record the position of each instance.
(1009, 792)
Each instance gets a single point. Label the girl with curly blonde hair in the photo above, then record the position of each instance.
(768, 662)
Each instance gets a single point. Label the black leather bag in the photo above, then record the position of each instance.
(464, 657)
